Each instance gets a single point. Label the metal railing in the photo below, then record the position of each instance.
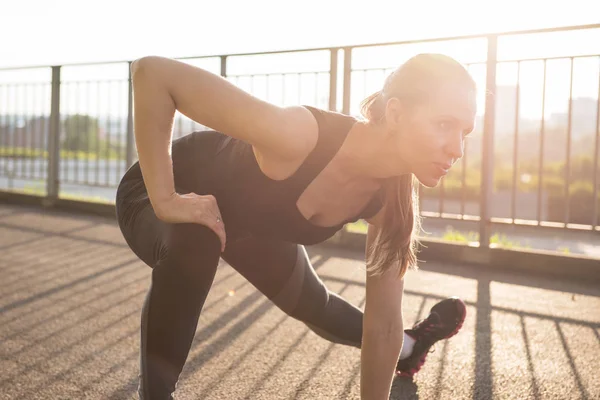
(69, 129)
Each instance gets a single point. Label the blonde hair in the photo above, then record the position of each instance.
(413, 82)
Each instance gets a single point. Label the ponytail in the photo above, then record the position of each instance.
(396, 244)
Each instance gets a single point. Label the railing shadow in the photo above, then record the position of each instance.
(520, 277)
(323, 357)
(87, 278)
(75, 307)
(483, 375)
(229, 327)
(70, 263)
(66, 234)
(404, 389)
(212, 330)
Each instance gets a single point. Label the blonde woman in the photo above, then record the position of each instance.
(268, 180)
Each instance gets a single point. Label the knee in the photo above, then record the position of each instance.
(310, 306)
(304, 296)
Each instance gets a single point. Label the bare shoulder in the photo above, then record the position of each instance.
(300, 129)
(274, 131)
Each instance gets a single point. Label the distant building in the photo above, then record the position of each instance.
(506, 103)
(583, 118)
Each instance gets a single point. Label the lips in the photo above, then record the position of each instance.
(442, 168)
(445, 166)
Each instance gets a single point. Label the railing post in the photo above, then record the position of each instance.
(130, 140)
(487, 172)
(53, 179)
(346, 106)
(347, 77)
(333, 70)
(595, 175)
(224, 66)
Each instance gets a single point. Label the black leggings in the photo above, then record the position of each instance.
(184, 259)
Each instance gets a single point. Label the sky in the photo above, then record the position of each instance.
(44, 32)
(69, 31)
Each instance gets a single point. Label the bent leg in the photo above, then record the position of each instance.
(184, 259)
(282, 271)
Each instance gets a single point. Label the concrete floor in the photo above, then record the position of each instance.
(71, 293)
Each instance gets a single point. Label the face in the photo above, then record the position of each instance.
(430, 137)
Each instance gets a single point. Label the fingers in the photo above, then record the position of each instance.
(202, 210)
(219, 228)
(216, 221)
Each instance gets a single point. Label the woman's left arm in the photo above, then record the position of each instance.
(383, 330)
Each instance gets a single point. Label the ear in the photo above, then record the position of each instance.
(394, 113)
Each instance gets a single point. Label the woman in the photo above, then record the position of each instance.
(270, 180)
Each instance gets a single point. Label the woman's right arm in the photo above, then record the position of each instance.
(383, 329)
(162, 85)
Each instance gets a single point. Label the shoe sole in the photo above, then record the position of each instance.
(413, 371)
(462, 309)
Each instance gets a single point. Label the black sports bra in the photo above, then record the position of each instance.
(255, 204)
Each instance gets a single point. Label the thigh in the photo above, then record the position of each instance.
(267, 264)
(281, 271)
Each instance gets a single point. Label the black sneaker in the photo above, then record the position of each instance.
(444, 321)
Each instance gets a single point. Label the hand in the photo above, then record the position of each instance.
(191, 207)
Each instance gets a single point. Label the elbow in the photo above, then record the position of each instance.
(135, 66)
(142, 65)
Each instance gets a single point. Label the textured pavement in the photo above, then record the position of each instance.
(71, 294)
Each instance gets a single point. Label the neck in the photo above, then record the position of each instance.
(368, 152)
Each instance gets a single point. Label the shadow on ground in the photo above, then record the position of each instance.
(71, 293)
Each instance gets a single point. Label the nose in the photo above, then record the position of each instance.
(455, 147)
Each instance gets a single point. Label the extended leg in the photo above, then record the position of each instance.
(282, 271)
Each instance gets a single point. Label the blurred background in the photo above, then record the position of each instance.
(530, 176)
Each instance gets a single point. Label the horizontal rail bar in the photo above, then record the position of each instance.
(265, 74)
(284, 51)
(511, 60)
(509, 221)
